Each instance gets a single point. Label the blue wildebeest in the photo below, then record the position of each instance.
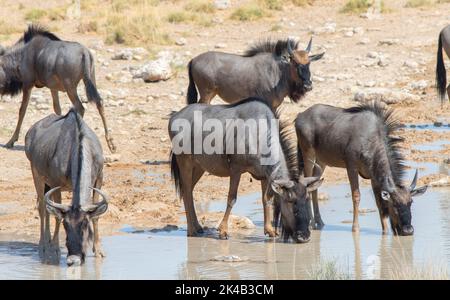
(41, 59)
(65, 154)
(441, 75)
(279, 177)
(360, 139)
(270, 70)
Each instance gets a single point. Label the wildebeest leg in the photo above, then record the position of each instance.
(352, 174)
(232, 195)
(383, 214)
(309, 171)
(56, 197)
(189, 174)
(315, 199)
(206, 96)
(108, 138)
(268, 228)
(97, 247)
(73, 96)
(56, 105)
(448, 92)
(39, 185)
(22, 111)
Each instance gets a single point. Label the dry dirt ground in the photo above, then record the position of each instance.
(139, 183)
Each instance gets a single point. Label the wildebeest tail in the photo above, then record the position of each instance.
(175, 173)
(441, 76)
(89, 79)
(192, 91)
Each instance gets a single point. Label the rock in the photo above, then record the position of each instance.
(125, 54)
(364, 41)
(373, 54)
(348, 33)
(130, 53)
(370, 83)
(155, 70)
(212, 220)
(382, 61)
(110, 158)
(411, 64)
(329, 27)
(388, 42)
(418, 85)
(385, 95)
(228, 258)
(220, 46)
(181, 41)
(358, 30)
(445, 181)
(222, 4)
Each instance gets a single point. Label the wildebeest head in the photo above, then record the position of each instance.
(77, 224)
(291, 207)
(399, 200)
(300, 61)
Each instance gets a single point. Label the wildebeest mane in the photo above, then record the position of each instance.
(278, 48)
(392, 141)
(36, 30)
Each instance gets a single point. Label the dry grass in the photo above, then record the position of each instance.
(249, 12)
(35, 14)
(302, 2)
(328, 270)
(361, 6)
(7, 29)
(200, 6)
(417, 3)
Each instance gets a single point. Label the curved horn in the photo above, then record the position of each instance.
(414, 182)
(308, 48)
(289, 47)
(92, 207)
(52, 206)
(318, 167)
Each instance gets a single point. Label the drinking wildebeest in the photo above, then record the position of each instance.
(65, 154)
(41, 59)
(279, 177)
(270, 70)
(360, 139)
(441, 75)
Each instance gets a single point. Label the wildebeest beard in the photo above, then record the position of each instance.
(296, 90)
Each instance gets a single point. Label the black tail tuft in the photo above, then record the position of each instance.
(175, 173)
(91, 90)
(441, 76)
(192, 91)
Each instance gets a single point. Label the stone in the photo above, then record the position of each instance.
(212, 220)
(364, 41)
(222, 4)
(373, 54)
(348, 33)
(411, 64)
(388, 42)
(155, 70)
(181, 41)
(385, 95)
(220, 46)
(419, 85)
(110, 158)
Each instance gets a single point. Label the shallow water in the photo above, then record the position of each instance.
(171, 255)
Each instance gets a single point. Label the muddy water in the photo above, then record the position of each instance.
(249, 255)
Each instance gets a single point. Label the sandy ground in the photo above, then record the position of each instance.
(139, 184)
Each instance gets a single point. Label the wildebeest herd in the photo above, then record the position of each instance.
(66, 155)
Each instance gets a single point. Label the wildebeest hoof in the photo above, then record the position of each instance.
(318, 225)
(10, 144)
(99, 253)
(270, 232)
(111, 145)
(223, 235)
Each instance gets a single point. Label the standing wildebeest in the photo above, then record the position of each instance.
(65, 154)
(441, 75)
(41, 59)
(279, 178)
(361, 140)
(270, 70)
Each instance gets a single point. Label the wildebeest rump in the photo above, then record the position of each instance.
(279, 180)
(65, 154)
(41, 59)
(270, 70)
(441, 75)
(360, 139)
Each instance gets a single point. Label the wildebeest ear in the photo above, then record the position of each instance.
(316, 56)
(385, 196)
(95, 211)
(419, 191)
(279, 185)
(57, 212)
(314, 184)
